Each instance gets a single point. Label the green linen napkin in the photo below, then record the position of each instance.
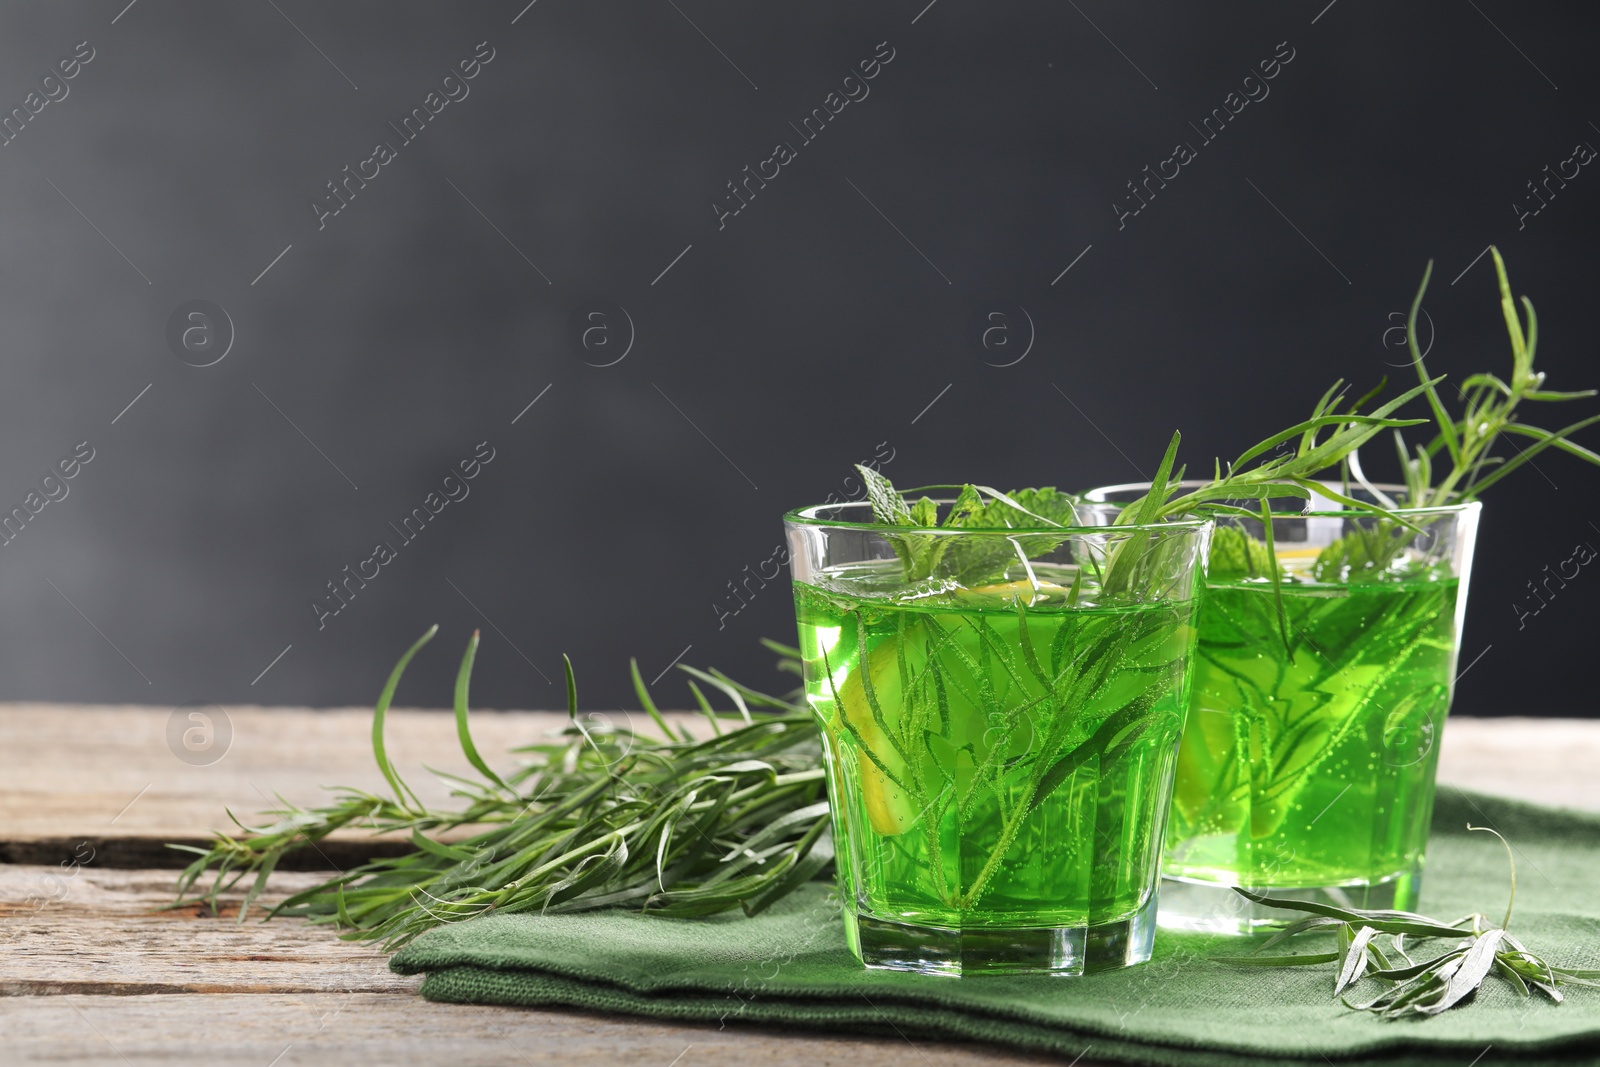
(789, 967)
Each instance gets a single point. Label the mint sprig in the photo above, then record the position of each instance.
(969, 561)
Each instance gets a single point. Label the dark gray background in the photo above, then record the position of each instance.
(820, 322)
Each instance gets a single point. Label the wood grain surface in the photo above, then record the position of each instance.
(109, 777)
(95, 969)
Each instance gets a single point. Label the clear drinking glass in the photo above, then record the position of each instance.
(1308, 759)
(1000, 712)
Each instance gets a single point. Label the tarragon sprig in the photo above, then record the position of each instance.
(1457, 464)
(599, 816)
(1264, 472)
(1444, 981)
(1489, 410)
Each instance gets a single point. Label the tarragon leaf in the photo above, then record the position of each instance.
(1355, 960)
(1470, 973)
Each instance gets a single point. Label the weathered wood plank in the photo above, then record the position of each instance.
(1547, 761)
(103, 770)
(81, 951)
(99, 931)
(106, 775)
(339, 1030)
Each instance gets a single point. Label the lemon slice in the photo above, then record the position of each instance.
(1027, 592)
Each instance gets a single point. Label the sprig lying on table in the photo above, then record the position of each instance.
(1427, 988)
(601, 816)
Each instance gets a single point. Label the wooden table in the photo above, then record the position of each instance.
(90, 972)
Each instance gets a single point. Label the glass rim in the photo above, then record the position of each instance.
(805, 517)
(1465, 507)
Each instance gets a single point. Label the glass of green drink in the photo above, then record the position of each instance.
(1308, 758)
(1000, 727)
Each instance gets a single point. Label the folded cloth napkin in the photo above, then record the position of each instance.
(789, 967)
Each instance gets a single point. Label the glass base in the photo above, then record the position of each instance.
(1061, 950)
(1214, 908)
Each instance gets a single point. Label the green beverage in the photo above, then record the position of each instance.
(1308, 758)
(1000, 760)
(1310, 763)
(1324, 671)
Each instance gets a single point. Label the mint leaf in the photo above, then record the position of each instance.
(973, 561)
(972, 511)
(968, 506)
(888, 506)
